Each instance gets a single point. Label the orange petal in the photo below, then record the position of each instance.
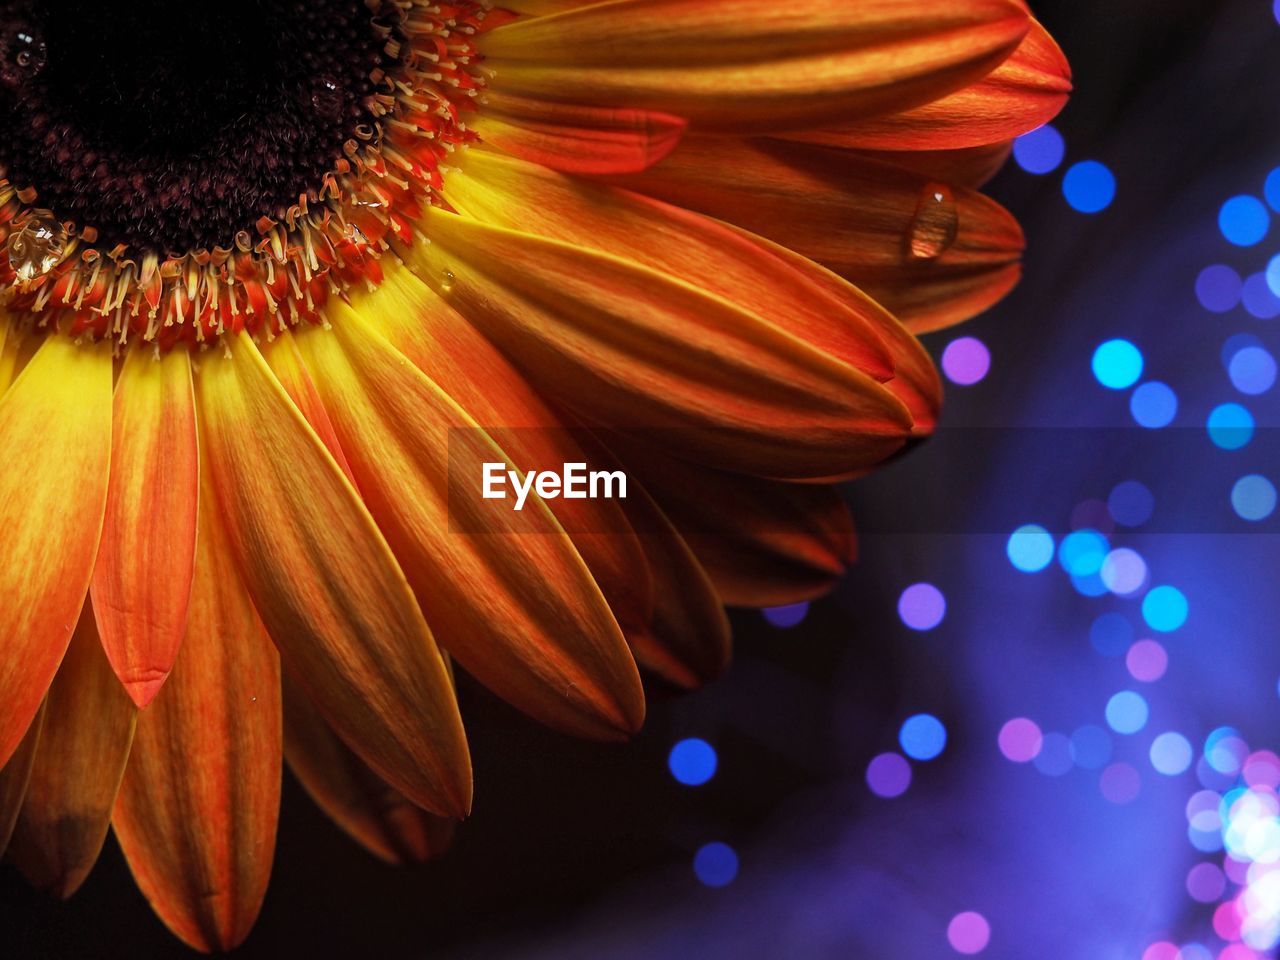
(630, 346)
(687, 641)
(968, 167)
(1024, 92)
(755, 64)
(765, 543)
(859, 217)
(577, 139)
(375, 815)
(55, 444)
(142, 583)
(88, 727)
(521, 196)
(196, 816)
(506, 593)
(330, 592)
(14, 777)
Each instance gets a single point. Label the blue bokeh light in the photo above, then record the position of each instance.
(1218, 288)
(1081, 553)
(1234, 344)
(1030, 548)
(692, 761)
(923, 737)
(1089, 186)
(1153, 405)
(716, 864)
(1272, 273)
(1131, 504)
(1127, 712)
(1040, 151)
(1244, 220)
(1253, 497)
(1230, 426)
(1259, 299)
(1272, 188)
(1117, 364)
(1091, 747)
(1164, 608)
(787, 616)
(1252, 370)
(1171, 754)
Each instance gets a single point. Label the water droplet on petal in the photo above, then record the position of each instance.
(327, 98)
(446, 281)
(23, 54)
(37, 246)
(935, 223)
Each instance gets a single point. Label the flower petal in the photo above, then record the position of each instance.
(1025, 92)
(522, 196)
(635, 348)
(467, 367)
(88, 727)
(330, 592)
(577, 139)
(506, 593)
(142, 582)
(854, 215)
(197, 811)
(755, 64)
(14, 777)
(968, 167)
(375, 815)
(767, 543)
(55, 443)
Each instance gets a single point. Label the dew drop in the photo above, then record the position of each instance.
(37, 246)
(935, 223)
(446, 281)
(23, 54)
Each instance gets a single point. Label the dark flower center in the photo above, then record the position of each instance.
(170, 127)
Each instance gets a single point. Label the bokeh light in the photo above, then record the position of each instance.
(969, 933)
(1089, 186)
(787, 616)
(1164, 608)
(1030, 548)
(966, 361)
(1082, 552)
(1218, 288)
(889, 775)
(1259, 299)
(1127, 712)
(1111, 634)
(1252, 370)
(1124, 571)
(1153, 405)
(1131, 503)
(1171, 754)
(1253, 497)
(922, 606)
(923, 737)
(1117, 364)
(1091, 747)
(1244, 220)
(1056, 758)
(716, 864)
(1120, 783)
(1272, 274)
(1147, 661)
(1040, 151)
(1230, 426)
(1272, 186)
(1020, 740)
(692, 761)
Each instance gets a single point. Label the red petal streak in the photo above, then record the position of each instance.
(197, 811)
(330, 592)
(88, 727)
(55, 444)
(142, 583)
(577, 139)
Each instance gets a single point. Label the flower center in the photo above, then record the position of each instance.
(175, 174)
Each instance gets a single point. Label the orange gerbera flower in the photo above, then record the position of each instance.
(282, 280)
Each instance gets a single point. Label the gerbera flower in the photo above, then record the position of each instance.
(282, 279)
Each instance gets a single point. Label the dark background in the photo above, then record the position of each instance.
(582, 850)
